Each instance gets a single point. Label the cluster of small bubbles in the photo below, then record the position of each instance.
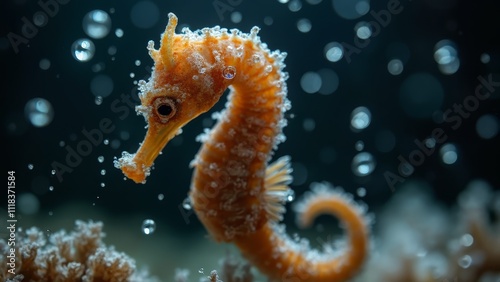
(268, 20)
(466, 240)
(30, 166)
(103, 172)
(119, 32)
(361, 192)
(465, 261)
(485, 58)
(98, 100)
(299, 173)
(44, 64)
(112, 50)
(229, 72)
(329, 81)
(448, 153)
(310, 82)
(100, 159)
(137, 62)
(304, 25)
(83, 50)
(385, 141)
(420, 95)
(148, 226)
(40, 19)
(96, 24)
(395, 66)
(161, 197)
(294, 5)
(334, 51)
(28, 203)
(363, 30)
(487, 126)
(145, 14)
(363, 164)
(236, 17)
(309, 124)
(359, 145)
(39, 112)
(351, 9)
(446, 55)
(101, 85)
(186, 204)
(360, 118)
(201, 270)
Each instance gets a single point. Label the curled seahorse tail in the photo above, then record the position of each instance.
(282, 258)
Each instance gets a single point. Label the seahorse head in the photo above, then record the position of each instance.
(185, 83)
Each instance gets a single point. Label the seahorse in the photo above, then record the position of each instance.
(236, 191)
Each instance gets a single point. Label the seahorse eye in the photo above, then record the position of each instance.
(164, 108)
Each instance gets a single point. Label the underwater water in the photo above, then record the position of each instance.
(395, 101)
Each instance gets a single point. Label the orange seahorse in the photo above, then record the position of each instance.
(236, 193)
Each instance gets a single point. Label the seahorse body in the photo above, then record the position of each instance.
(236, 193)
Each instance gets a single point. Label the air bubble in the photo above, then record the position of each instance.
(361, 192)
(290, 195)
(83, 50)
(39, 112)
(360, 118)
(229, 72)
(201, 270)
(161, 197)
(304, 25)
(98, 100)
(148, 226)
(44, 64)
(359, 146)
(363, 164)
(467, 240)
(103, 184)
(30, 166)
(51, 188)
(119, 32)
(186, 204)
(96, 24)
(256, 58)
(448, 153)
(100, 159)
(103, 172)
(465, 261)
(334, 51)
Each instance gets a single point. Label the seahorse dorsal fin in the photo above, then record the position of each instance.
(277, 192)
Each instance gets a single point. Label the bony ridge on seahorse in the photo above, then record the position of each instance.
(236, 193)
